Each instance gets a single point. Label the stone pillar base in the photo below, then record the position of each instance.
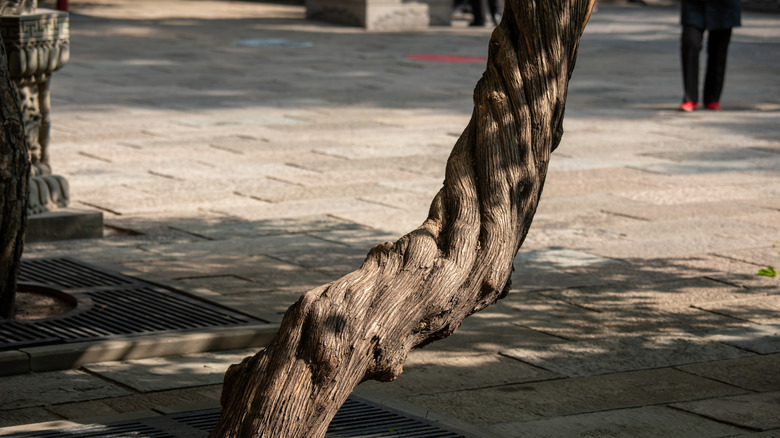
(380, 15)
(64, 224)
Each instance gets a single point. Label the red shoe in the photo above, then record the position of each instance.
(688, 106)
(715, 106)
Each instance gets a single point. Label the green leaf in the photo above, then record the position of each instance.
(768, 272)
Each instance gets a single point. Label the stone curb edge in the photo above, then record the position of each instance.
(70, 356)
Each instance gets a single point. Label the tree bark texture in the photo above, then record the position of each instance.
(420, 288)
(14, 179)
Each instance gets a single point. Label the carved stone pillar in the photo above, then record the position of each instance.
(37, 45)
(37, 42)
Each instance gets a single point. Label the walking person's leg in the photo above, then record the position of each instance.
(478, 9)
(690, 48)
(717, 52)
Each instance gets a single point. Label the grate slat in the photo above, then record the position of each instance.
(393, 424)
(121, 306)
(68, 273)
(355, 419)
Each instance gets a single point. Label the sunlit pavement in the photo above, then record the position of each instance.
(236, 148)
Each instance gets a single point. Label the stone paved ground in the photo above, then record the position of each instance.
(258, 172)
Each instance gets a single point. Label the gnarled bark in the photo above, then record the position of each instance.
(420, 288)
(14, 174)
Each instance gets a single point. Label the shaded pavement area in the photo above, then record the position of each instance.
(248, 155)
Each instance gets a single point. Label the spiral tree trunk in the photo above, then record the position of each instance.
(420, 288)
(14, 174)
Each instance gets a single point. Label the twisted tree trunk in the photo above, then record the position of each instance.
(14, 174)
(419, 289)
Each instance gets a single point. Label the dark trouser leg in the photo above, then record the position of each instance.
(496, 8)
(478, 9)
(717, 52)
(690, 48)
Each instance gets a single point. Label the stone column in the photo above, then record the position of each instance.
(37, 43)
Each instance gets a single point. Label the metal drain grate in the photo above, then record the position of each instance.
(357, 418)
(110, 305)
(67, 273)
(127, 429)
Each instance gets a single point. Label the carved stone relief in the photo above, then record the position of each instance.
(37, 43)
(18, 7)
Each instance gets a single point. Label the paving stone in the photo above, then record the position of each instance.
(699, 265)
(546, 237)
(355, 236)
(603, 273)
(637, 271)
(554, 398)
(88, 250)
(526, 279)
(337, 259)
(164, 228)
(764, 255)
(338, 207)
(270, 306)
(375, 136)
(17, 417)
(572, 322)
(392, 221)
(13, 362)
(646, 422)
(768, 434)
(162, 373)
(153, 400)
(652, 212)
(409, 201)
(420, 165)
(710, 166)
(276, 245)
(590, 163)
(620, 354)
(747, 373)
(719, 268)
(475, 407)
(761, 339)
(324, 189)
(708, 231)
(355, 178)
(563, 207)
(222, 284)
(667, 295)
(558, 259)
(265, 273)
(766, 220)
(676, 245)
(40, 389)
(490, 331)
(761, 310)
(429, 186)
(431, 372)
(568, 186)
(82, 409)
(231, 228)
(755, 411)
